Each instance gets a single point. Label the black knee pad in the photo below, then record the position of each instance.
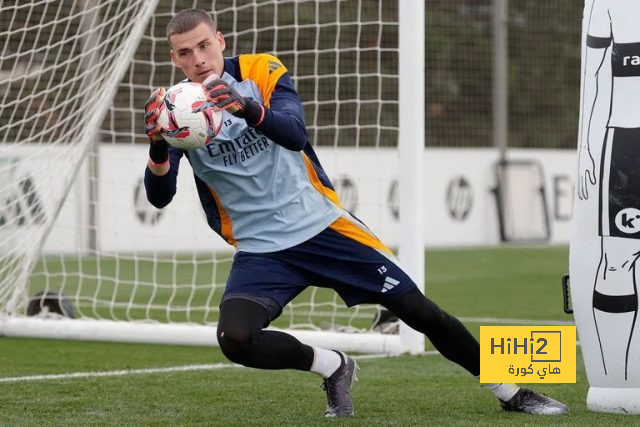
(240, 328)
(237, 342)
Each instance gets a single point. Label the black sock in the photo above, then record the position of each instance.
(448, 335)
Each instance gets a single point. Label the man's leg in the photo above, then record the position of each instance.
(450, 337)
(446, 333)
(616, 280)
(243, 340)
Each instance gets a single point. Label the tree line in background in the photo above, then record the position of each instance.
(544, 73)
(344, 59)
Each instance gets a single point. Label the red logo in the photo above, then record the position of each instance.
(206, 108)
(173, 130)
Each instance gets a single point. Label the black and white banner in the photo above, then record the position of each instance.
(459, 185)
(605, 240)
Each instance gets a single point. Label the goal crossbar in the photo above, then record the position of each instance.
(183, 334)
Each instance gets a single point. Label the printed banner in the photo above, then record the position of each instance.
(605, 239)
(459, 184)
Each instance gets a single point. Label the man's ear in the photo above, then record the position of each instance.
(221, 41)
(173, 56)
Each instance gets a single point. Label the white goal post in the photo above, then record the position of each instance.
(76, 233)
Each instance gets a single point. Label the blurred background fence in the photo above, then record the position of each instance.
(349, 48)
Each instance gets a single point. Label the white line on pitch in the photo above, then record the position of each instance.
(382, 356)
(502, 320)
(185, 368)
(498, 320)
(120, 373)
(126, 372)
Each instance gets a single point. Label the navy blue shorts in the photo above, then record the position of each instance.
(620, 184)
(345, 257)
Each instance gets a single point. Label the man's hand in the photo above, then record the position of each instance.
(158, 147)
(151, 113)
(586, 172)
(223, 96)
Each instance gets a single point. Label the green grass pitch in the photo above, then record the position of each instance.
(500, 283)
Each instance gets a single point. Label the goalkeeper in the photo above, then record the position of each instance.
(264, 191)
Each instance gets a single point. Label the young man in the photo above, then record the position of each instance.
(279, 209)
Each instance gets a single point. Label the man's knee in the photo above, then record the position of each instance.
(238, 341)
(240, 328)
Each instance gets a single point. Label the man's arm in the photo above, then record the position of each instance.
(161, 188)
(161, 173)
(598, 41)
(284, 120)
(282, 123)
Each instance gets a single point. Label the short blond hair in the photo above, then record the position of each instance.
(187, 19)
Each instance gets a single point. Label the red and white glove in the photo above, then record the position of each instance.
(158, 147)
(224, 97)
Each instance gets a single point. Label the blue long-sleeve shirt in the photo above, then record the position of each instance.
(284, 121)
(262, 188)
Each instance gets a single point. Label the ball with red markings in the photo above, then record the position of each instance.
(187, 119)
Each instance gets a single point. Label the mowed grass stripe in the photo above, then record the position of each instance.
(151, 371)
(500, 283)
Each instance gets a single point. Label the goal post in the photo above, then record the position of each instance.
(75, 227)
(411, 148)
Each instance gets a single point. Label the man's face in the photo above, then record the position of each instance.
(198, 53)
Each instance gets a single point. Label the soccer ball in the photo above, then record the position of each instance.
(187, 119)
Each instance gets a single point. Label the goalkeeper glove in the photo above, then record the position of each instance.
(158, 147)
(225, 97)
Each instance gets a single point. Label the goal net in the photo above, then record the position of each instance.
(83, 254)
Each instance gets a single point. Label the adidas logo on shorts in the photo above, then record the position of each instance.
(389, 283)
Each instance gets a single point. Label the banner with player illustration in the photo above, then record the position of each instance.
(605, 243)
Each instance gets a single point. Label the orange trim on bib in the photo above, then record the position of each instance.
(264, 70)
(345, 227)
(317, 184)
(226, 227)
